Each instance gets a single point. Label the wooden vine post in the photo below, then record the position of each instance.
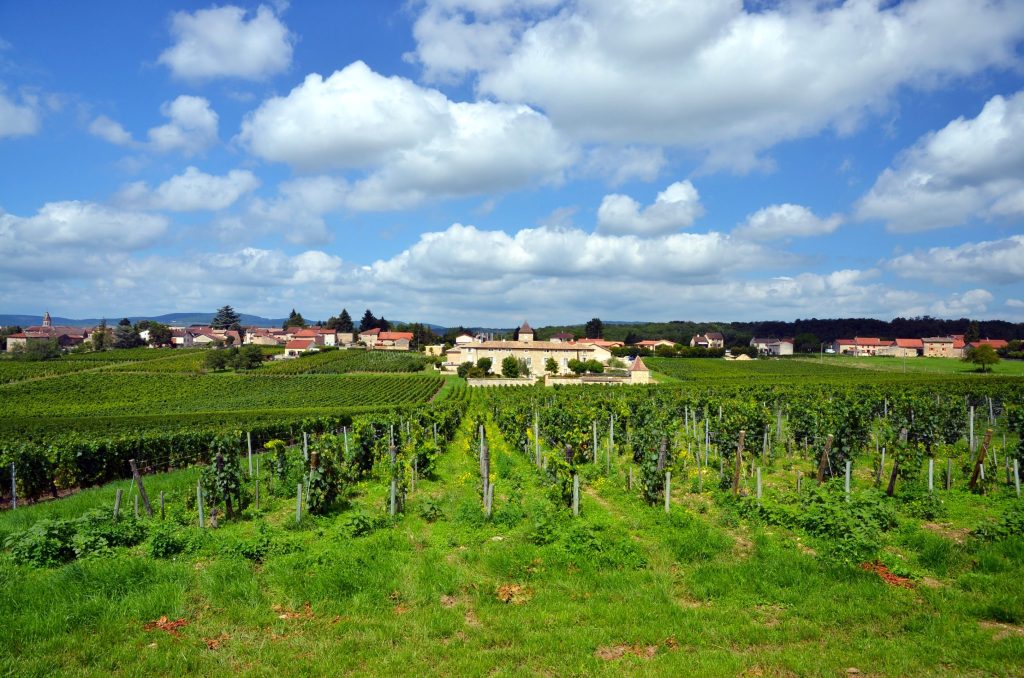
(982, 453)
(823, 462)
(142, 488)
(895, 466)
(739, 465)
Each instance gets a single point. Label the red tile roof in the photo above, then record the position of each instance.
(994, 343)
(395, 336)
(374, 330)
(302, 344)
(638, 365)
(910, 343)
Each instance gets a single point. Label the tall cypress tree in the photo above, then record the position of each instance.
(294, 320)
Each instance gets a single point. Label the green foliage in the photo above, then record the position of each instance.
(852, 530)
(48, 543)
(983, 356)
(430, 511)
(1011, 524)
(484, 364)
(510, 367)
(225, 318)
(53, 542)
(165, 540)
(551, 366)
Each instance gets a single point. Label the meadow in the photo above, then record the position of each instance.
(765, 580)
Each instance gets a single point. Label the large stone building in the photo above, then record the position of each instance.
(534, 354)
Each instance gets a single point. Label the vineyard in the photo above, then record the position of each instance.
(793, 522)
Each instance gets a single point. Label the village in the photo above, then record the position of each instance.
(561, 358)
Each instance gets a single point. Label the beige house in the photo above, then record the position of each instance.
(295, 347)
(652, 344)
(939, 347)
(709, 340)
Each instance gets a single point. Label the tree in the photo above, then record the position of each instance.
(99, 336)
(246, 358)
(510, 367)
(159, 334)
(368, 322)
(594, 366)
(216, 360)
(344, 323)
(806, 342)
(982, 356)
(594, 329)
(294, 320)
(383, 325)
(464, 368)
(973, 332)
(631, 338)
(485, 365)
(551, 365)
(125, 335)
(225, 318)
(577, 366)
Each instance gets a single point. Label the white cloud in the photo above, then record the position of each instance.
(785, 221)
(110, 131)
(17, 119)
(963, 305)
(678, 206)
(463, 253)
(1015, 303)
(221, 42)
(296, 213)
(191, 191)
(993, 261)
(71, 239)
(192, 127)
(415, 142)
(253, 266)
(621, 164)
(711, 74)
(971, 168)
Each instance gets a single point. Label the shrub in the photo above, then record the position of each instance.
(48, 543)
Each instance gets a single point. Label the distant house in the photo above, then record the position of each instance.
(65, 336)
(844, 346)
(994, 343)
(904, 348)
(535, 354)
(369, 337)
(296, 347)
(562, 337)
(601, 343)
(393, 341)
(464, 339)
(709, 340)
(939, 347)
(772, 346)
(652, 344)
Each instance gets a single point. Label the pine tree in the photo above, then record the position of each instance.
(594, 329)
(345, 322)
(368, 322)
(294, 320)
(225, 318)
(384, 325)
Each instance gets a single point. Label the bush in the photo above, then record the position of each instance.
(1011, 524)
(165, 541)
(48, 543)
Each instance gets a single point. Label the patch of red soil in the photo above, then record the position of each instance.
(889, 578)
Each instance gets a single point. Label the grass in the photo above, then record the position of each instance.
(921, 365)
(624, 588)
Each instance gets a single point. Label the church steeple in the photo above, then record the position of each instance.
(47, 322)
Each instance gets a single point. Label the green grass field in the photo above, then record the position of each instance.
(922, 365)
(708, 589)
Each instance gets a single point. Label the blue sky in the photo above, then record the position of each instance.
(485, 161)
